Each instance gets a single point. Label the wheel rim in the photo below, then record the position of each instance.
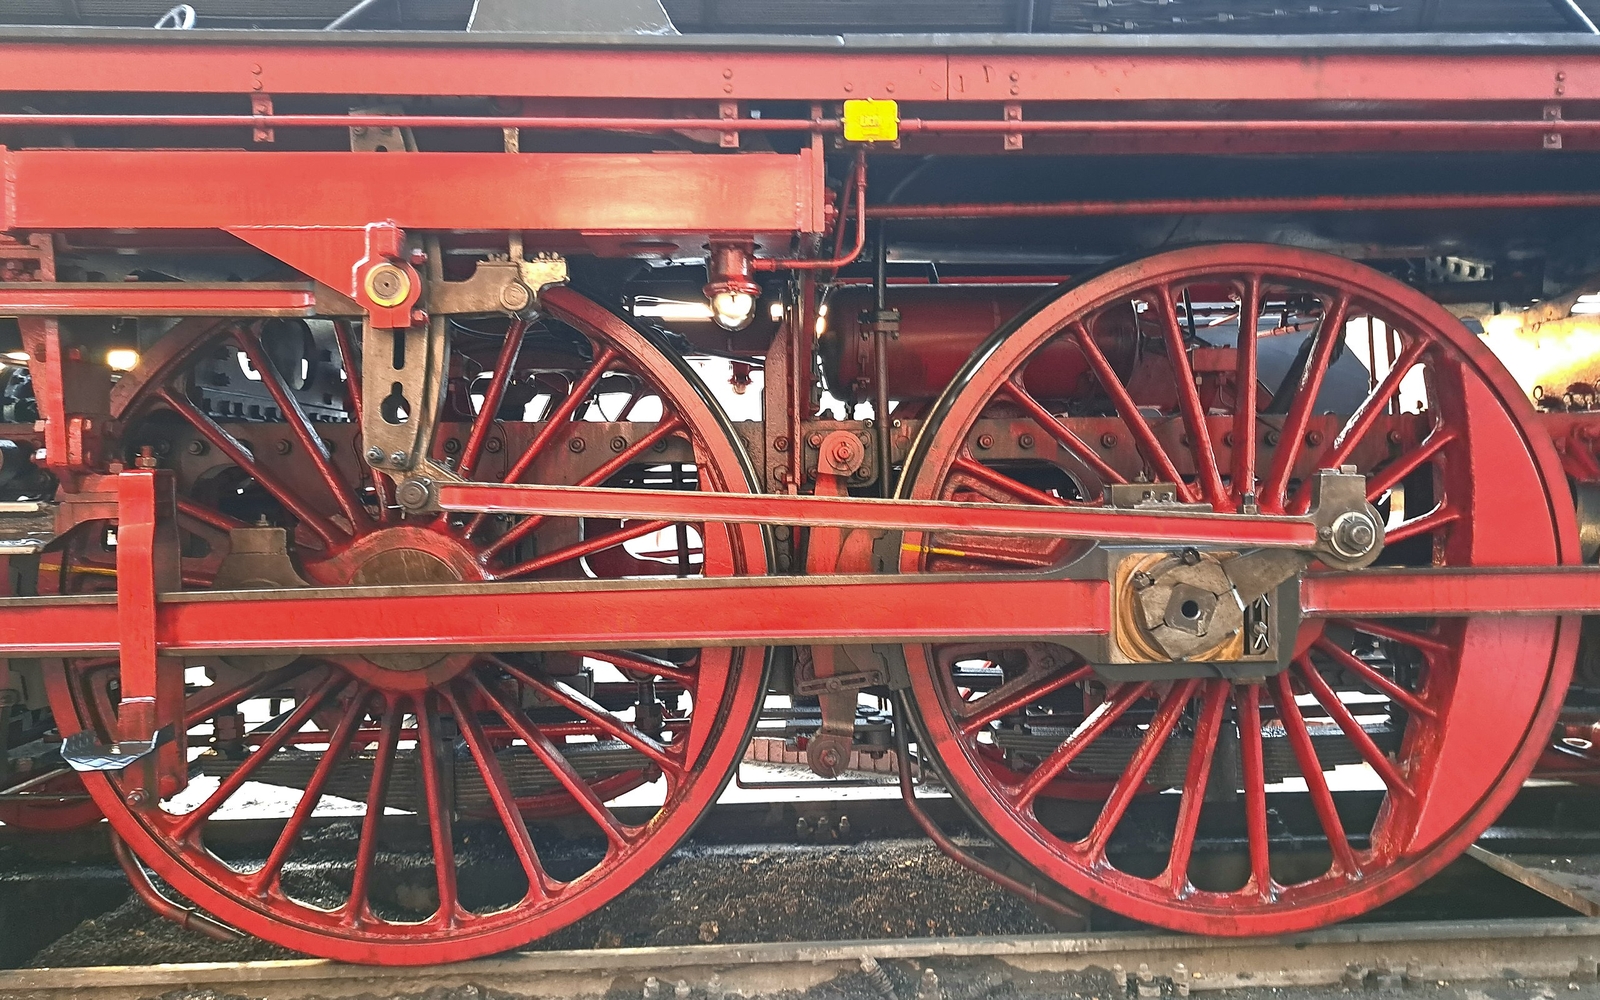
(514, 737)
(1446, 717)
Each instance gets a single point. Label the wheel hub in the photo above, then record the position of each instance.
(399, 556)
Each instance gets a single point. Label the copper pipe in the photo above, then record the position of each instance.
(1224, 206)
(832, 263)
(949, 847)
(187, 917)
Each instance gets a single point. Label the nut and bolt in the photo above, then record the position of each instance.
(1108, 440)
(136, 798)
(1191, 557)
(146, 459)
(576, 445)
(618, 443)
(452, 446)
(986, 441)
(1353, 534)
(842, 453)
(493, 446)
(398, 458)
(1143, 581)
(285, 446)
(1272, 437)
(1023, 440)
(780, 444)
(1314, 438)
(814, 439)
(375, 456)
(197, 447)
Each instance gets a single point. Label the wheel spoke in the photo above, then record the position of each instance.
(1330, 331)
(1097, 722)
(505, 366)
(617, 834)
(641, 663)
(1005, 484)
(240, 456)
(668, 425)
(1305, 751)
(1131, 781)
(208, 515)
(188, 822)
(1149, 446)
(1052, 425)
(1391, 474)
(338, 744)
(1207, 731)
(580, 550)
(208, 701)
(1355, 665)
(1194, 412)
(347, 358)
(1244, 404)
(1253, 767)
(1372, 407)
(1432, 521)
(1001, 702)
(1337, 710)
(505, 800)
(575, 702)
(358, 907)
(429, 750)
(300, 425)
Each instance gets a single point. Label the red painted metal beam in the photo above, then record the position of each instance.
(633, 615)
(245, 66)
(752, 193)
(156, 298)
(750, 611)
(1426, 593)
(1099, 523)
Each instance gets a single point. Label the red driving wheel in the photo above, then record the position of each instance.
(1440, 720)
(462, 756)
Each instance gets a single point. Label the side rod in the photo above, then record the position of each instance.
(1156, 527)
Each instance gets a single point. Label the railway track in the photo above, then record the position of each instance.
(1142, 963)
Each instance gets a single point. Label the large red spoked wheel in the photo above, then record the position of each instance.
(1440, 719)
(459, 754)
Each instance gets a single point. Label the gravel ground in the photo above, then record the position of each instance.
(993, 980)
(881, 889)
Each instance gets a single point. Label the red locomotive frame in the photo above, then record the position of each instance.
(410, 590)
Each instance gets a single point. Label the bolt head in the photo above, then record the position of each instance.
(1108, 440)
(414, 493)
(1025, 441)
(135, 798)
(375, 456)
(985, 441)
(576, 445)
(619, 443)
(398, 458)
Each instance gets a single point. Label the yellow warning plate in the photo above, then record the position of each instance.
(871, 121)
